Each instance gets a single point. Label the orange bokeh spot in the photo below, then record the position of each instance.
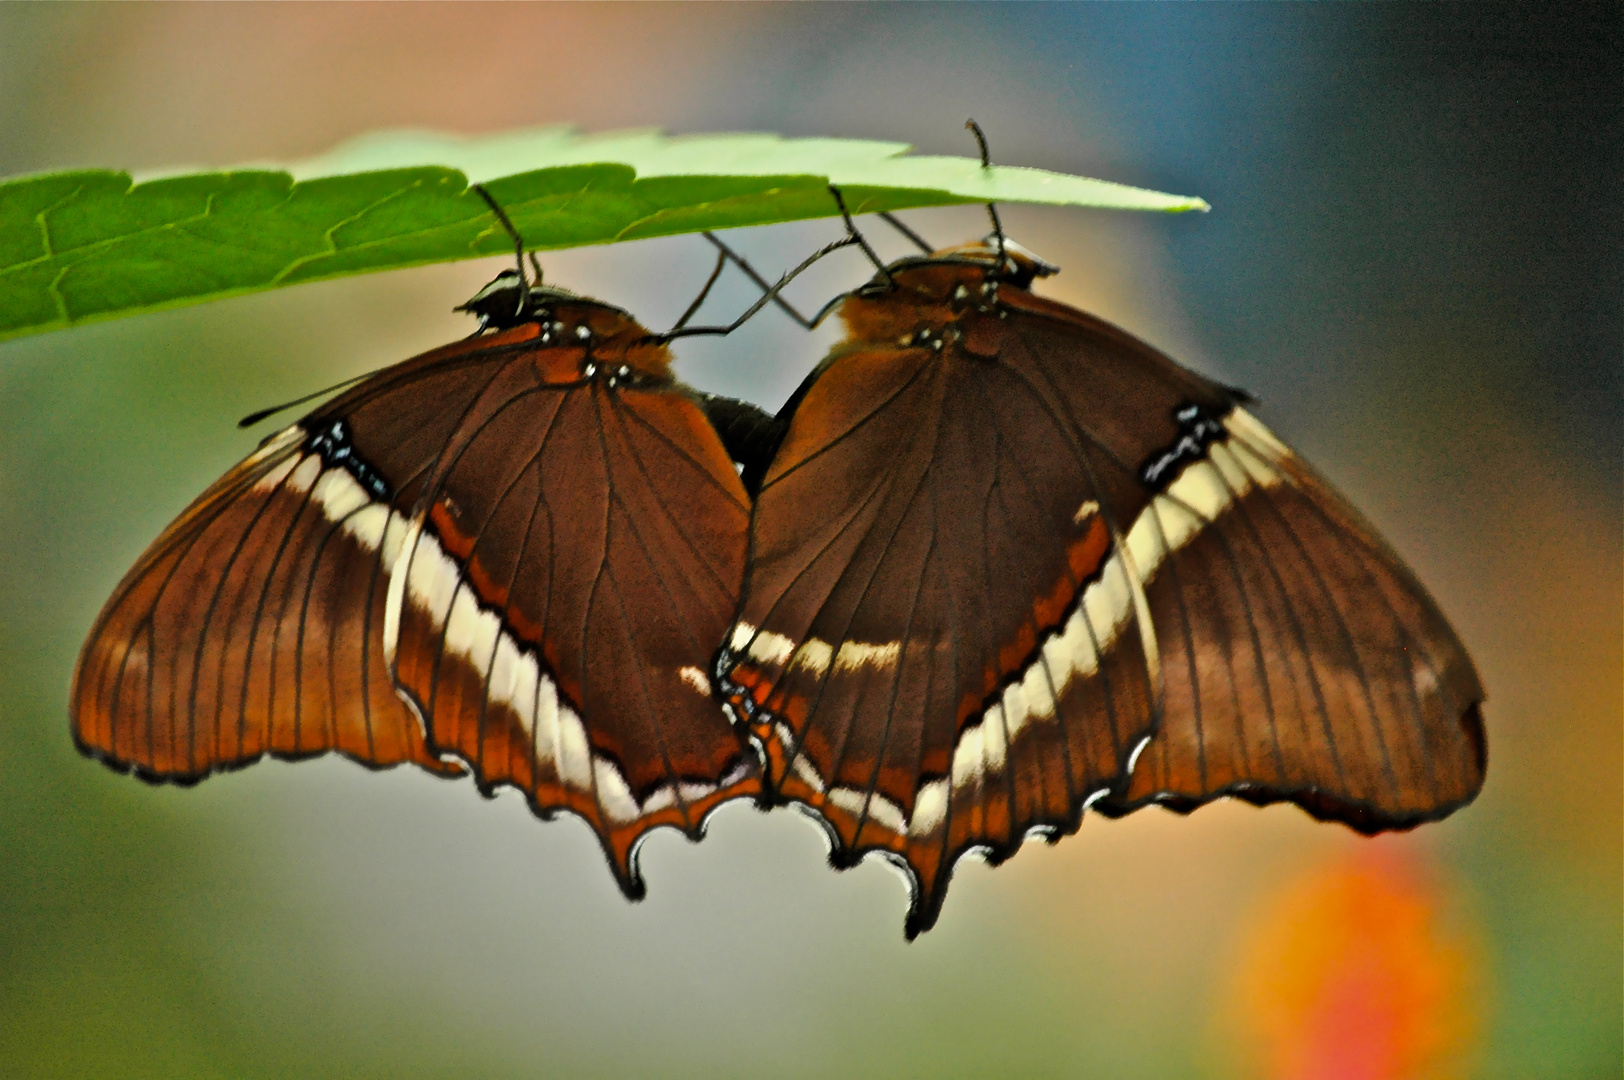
(1353, 972)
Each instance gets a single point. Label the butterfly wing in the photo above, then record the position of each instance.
(253, 624)
(575, 559)
(1301, 660)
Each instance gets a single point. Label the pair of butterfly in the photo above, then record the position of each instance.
(995, 562)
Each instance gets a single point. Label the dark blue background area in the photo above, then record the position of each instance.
(1376, 172)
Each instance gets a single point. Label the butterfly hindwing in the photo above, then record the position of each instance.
(938, 649)
(574, 560)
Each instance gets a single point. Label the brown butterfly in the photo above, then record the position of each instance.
(1010, 562)
(517, 552)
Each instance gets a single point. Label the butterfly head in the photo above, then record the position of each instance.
(930, 301)
(508, 301)
(1021, 265)
(593, 339)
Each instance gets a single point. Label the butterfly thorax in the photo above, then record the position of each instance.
(938, 300)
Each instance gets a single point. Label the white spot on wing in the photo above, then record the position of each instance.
(276, 444)
(993, 747)
(1224, 460)
(1108, 600)
(338, 495)
(273, 479)
(967, 756)
(887, 813)
(574, 758)
(771, 648)
(369, 527)
(696, 679)
(471, 630)
(880, 810)
(395, 599)
(660, 798)
(813, 656)
(1251, 431)
(807, 774)
(855, 655)
(545, 735)
(1139, 748)
(930, 808)
(304, 474)
(613, 793)
(1257, 470)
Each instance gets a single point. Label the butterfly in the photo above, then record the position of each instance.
(513, 556)
(1009, 562)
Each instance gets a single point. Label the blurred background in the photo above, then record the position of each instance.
(1413, 258)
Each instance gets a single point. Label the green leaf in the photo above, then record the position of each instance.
(94, 244)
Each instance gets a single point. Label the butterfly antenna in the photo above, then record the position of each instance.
(857, 238)
(760, 282)
(255, 417)
(518, 248)
(721, 262)
(992, 211)
(766, 298)
(897, 224)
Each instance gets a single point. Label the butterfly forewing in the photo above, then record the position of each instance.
(1300, 658)
(1304, 662)
(574, 560)
(253, 625)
